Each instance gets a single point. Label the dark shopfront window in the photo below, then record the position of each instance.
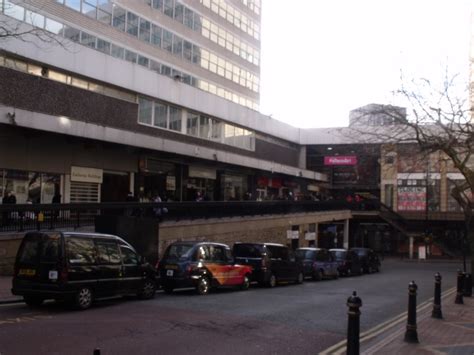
(30, 187)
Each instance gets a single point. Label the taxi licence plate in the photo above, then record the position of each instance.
(26, 272)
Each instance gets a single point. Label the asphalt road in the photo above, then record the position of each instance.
(303, 319)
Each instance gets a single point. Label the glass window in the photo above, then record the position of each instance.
(167, 40)
(104, 11)
(117, 52)
(79, 83)
(177, 46)
(229, 134)
(168, 7)
(155, 66)
(204, 127)
(145, 111)
(196, 55)
(34, 19)
(144, 61)
(130, 56)
(88, 40)
(108, 252)
(187, 50)
(192, 124)
(188, 17)
(15, 11)
(129, 257)
(217, 253)
(132, 24)
(165, 70)
(73, 4)
(89, 10)
(103, 46)
(197, 23)
(29, 250)
(145, 29)
(157, 4)
(118, 20)
(156, 35)
(179, 12)
(80, 251)
(53, 26)
(216, 130)
(175, 119)
(161, 115)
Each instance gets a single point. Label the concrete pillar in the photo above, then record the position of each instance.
(316, 231)
(302, 158)
(131, 181)
(346, 234)
(411, 247)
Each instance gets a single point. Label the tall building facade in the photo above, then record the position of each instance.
(102, 97)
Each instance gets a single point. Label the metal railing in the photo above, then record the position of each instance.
(16, 218)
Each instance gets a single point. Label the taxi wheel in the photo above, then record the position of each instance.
(203, 287)
(148, 290)
(317, 275)
(83, 299)
(300, 278)
(33, 301)
(245, 283)
(272, 281)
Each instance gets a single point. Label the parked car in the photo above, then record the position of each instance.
(201, 265)
(348, 262)
(318, 263)
(271, 263)
(78, 268)
(369, 259)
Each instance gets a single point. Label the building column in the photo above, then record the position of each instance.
(131, 181)
(316, 232)
(410, 251)
(346, 234)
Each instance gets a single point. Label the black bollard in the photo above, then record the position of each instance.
(437, 298)
(96, 351)
(411, 334)
(353, 325)
(459, 290)
(467, 292)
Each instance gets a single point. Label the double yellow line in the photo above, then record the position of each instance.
(340, 347)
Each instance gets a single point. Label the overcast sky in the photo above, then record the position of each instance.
(322, 58)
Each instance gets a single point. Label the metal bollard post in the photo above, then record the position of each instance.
(411, 334)
(96, 351)
(467, 292)
(437, 298)
(459, 290)
(353, 325)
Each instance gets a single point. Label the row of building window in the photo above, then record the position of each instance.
(234, 16)
(144, 30)
(161, 115)
(82, 37)
(254, 5)
(16, 64)
(206, 28)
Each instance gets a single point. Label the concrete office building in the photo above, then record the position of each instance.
(149, 96)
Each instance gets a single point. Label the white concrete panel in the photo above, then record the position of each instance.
(88, 62)
(63, 125)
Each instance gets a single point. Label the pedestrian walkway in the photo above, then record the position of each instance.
(5, 290)
(454, 334)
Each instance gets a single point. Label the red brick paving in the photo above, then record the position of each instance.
(454, 334)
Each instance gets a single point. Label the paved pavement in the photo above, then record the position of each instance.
(5, 290)
(454, 334)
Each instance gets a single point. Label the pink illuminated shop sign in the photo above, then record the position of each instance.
(341, 160)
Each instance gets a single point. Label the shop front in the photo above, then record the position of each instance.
(30, 186)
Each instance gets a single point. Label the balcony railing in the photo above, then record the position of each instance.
(17, 218)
